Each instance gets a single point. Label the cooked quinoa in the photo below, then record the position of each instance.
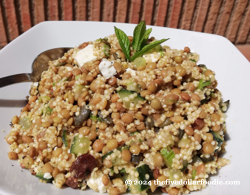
(158, 117)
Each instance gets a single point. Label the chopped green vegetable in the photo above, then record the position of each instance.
(122, 170)
(174, 174)
(185, 164)
(40, 175)
(80, 145)
(140, 63)
(43, 99)
(64, 138)
(48, 110)
(217, 138)
(25, 122)
(132, 85)
(106, 50)
(202, 84)
(77, 77)
(106, 155)
(125, 96)
(193, 60)
(143, 183)
(168, 156)
(140, 140)
(136, 132)
(193, 174)
(54, 84)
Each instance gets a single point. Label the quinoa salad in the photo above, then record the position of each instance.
(123, 108)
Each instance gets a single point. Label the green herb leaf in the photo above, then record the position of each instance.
(147, 48)
(140, 140)
(193, 174)
(48, 110)
(106, 50)
(144, 40)
(202, 84)
(168, 156)
(139, 32)
(123, 41)
(122, 170)
(193, 60)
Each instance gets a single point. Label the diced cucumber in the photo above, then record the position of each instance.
(117, 161)
(140, 63)
(40, 175)
(80, 145)
(174, 174)
(25, 122)
(143, 181)
(168, 156)
(133, 86)
(77, 77)
(78, 90)
(125, 95)
(43, 99)
(64, 138)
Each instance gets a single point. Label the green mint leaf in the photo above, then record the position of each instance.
(123, 41)
(147, 48)
(202, 84)
(139, 32)
(193, 60)
(144, 40)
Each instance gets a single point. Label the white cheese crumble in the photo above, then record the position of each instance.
(131, 71)
(35, 84)
(85, 55)
(97, 183)
(152, 57)
(47, 176)
(107, 69)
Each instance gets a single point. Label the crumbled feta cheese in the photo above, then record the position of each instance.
(47, 176)
(98, 184)
(68, 150)
(107, 69)
(131, 71)
(152, 57)
(85, 55)
(35, 84)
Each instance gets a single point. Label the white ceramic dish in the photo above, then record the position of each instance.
(232, 72)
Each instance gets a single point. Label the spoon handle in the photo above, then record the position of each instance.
(17, 78)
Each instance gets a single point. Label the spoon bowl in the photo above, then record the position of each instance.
(39, 65)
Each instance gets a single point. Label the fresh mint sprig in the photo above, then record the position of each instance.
(139, 42)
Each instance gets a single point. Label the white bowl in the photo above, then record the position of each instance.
(232, 72)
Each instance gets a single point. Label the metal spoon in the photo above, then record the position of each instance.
(39, 65)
